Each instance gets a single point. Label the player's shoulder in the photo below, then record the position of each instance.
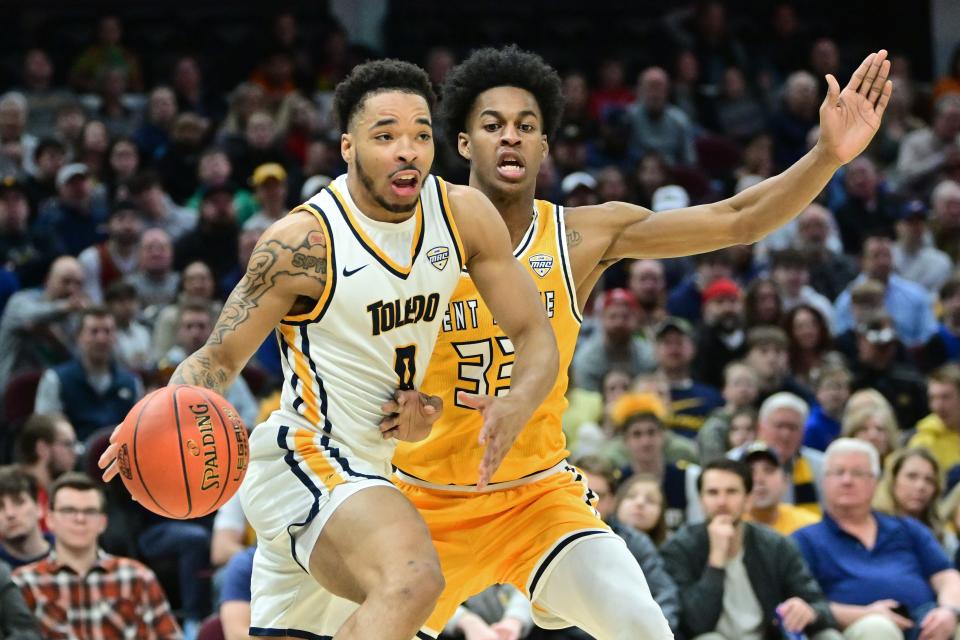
(596, 214)
(463, 197)
(300, 227)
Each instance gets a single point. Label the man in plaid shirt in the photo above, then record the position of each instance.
(78, 591)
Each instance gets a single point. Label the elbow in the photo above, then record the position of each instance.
(743, 229)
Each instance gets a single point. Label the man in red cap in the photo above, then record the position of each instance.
(614, 345)
(721, 338)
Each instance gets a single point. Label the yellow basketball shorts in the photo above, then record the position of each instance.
(509, 533)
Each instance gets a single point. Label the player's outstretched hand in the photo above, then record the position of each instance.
(503, 420)
(410, 415)
(109, 457)
(850, 118)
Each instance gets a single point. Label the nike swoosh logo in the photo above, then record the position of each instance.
(348, 273)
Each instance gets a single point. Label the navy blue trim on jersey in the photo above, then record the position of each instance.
(332, 283)
(567, 271)
(371, 250)
(290, 459)
(285, 350)
(327, 425)
(529, 235)
(447, 219)
(563, 544)
(267, 632)
(424, 636)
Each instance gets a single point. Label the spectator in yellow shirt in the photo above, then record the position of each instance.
(766, 498)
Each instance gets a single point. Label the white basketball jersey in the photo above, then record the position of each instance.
(374, 328)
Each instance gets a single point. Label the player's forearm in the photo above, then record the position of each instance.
(535, 368)
(204, 368)
(772, 203)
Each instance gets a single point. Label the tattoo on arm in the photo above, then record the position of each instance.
(261, 277)
(198, 370)
(573, 237)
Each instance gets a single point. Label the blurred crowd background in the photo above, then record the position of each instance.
(143, 152)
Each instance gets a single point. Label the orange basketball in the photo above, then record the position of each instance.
(183, 451)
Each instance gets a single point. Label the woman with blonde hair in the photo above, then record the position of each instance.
(872, 423)
(910, 487)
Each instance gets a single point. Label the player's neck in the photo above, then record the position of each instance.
(515, 208)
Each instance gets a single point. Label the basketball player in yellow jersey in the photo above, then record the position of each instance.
(328, 520)
(532, 525)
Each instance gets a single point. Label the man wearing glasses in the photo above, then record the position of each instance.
(79, 591)
(886, 577)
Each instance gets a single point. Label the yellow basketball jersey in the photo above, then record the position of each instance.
(473, 354)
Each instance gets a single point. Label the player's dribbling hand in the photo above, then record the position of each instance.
(410, 415)
(109, 456)
(503, 420)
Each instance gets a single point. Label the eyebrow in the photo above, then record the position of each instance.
(383, 122)
(497, 114)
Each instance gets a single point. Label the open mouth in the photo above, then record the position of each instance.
(510, 167)
(406, 183)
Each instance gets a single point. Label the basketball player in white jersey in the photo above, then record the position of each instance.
(354, 283)
(500, 106)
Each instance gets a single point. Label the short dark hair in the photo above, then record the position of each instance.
(193, 306)
(124, 206)
(144, 181)
(788, 259)
(950, 287)
(737, 467)
(14, 480)
(40, 427)
(947, 374)
(119, 290)
(766, 335)
(97, 311)
(375, 77)
(489, 68)
(80, 482)
(48, 144)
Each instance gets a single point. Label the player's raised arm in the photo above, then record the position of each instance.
(287, 269)
(848, 121)
(515, 302)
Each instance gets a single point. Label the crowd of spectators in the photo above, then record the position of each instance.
(773, 429)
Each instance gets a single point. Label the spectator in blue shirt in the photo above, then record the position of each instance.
(92, 390)
(76, 218)
(691, 401)
(832, 388)
(886, 577)
(235, 595)
(908, 303)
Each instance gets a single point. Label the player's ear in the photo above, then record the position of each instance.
(544, 148)
(463, 145)
(346, 147)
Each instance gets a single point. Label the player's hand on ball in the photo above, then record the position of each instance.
(503, 420)
(410, 415)
(109, 456)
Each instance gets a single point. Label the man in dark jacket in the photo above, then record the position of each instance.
(736, 578)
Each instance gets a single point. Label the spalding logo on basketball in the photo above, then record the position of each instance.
(183, 451)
